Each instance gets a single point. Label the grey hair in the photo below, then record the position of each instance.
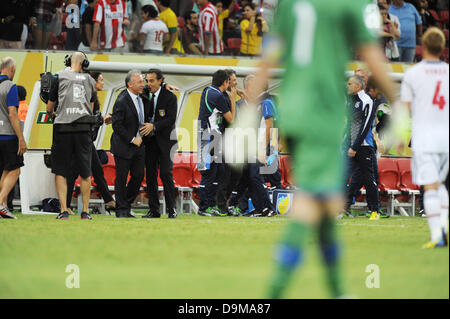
(130, 75)
(247, 79)
(360, 80)
(7, 63)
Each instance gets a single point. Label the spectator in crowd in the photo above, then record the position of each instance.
(190, 36)
(210, 40)
(73, 25)
(132, 31)
(15, 15)
(425, 15)
(110, 18)
(223, 14)
(153, 31)
(87, 25)
(180, 8)
(410, 24)
(253, 26)
(231, 29)
(23, 106)
(389, 34)
(167, 16)
(44, 13)
(395, 20)
(268, 10)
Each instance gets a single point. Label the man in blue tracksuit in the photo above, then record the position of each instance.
(361, 151)
(214, 110)
(252, 182)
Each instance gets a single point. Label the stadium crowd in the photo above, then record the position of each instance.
(196, 27)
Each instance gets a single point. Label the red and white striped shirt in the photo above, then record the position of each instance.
(111, 16)
(209, 24)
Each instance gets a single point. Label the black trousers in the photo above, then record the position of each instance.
(97, 173)
(227, 183)
(252, 181)
(274, 179)
(364, 171)
(209, 185)
(156, 158)
(126, 193)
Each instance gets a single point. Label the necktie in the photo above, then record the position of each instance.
(152, 104)
(141, 111)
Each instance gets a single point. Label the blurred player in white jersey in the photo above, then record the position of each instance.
(425, 91)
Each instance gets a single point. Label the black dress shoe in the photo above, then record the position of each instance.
(172, 213)
(130, 215)
(152, 215)
(124, 215)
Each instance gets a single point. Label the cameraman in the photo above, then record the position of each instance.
(72, 128)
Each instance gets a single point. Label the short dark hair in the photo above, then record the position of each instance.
(158, 73)
(219, 77)
(165, 3)
(371, 84)
(230, 72)
(150, 11)
(21, 93)
(95, 75)
(188, 16)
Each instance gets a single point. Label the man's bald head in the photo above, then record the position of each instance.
(77, 60)
(8, 67)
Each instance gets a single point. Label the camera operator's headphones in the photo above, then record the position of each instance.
(84, 64)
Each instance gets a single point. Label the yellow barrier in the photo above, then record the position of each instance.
(30, 64)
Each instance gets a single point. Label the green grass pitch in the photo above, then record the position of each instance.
(206, 257)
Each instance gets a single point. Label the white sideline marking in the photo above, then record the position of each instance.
(394, 226)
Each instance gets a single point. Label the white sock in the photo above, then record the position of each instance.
(432, 205)
(443, 194)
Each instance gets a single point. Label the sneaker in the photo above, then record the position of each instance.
(5, 213)
(374, 216)
(421, 213)
(267, 212)
(444, 237)
(234, 211)
(348, 214)
(215, 212)
(435, 244)
(383, 214)
(203, 213)
(85, 215)
(63, 215)
(252, 213)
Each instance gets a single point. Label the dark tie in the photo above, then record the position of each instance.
(152, 104)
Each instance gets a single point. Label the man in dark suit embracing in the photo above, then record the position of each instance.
(160, 119)
(126, 142)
